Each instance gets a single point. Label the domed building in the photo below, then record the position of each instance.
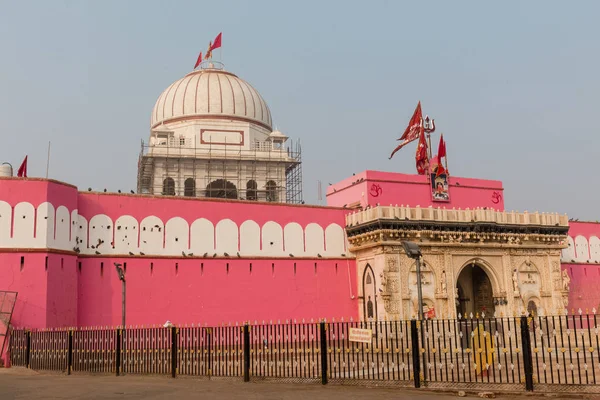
(212, 136)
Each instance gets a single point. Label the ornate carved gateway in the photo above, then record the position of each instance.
(474, 261)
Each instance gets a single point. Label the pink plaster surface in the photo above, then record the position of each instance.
(584, 228)
(585, 281)
(30, 283)
(413, 190)
(37, 191)
(206, 291)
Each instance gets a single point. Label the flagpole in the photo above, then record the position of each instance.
(48, 160)
(446, 158)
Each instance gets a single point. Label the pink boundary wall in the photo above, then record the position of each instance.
(78, 290)
(413, 190)
(585, 275)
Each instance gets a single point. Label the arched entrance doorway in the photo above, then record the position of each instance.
(474, 292)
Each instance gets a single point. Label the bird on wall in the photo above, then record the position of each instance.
(319, 255)
(214, 255)
(142, 254)
(291, 255)
(132, 192)
(183, 254)
(190, 254)
(205, 254)
(131, 254)
(97, 252)
(226, 255)
(238, 254)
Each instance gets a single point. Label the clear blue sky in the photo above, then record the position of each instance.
(513, 85)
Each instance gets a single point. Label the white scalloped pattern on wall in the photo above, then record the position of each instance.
(62, 229)
(582, 250)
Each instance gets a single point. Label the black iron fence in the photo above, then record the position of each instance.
(558, 353)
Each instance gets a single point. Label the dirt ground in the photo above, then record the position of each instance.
(19, 383)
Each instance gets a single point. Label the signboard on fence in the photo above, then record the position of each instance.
(360, 335)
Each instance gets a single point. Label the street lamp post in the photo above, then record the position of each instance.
(121, 274)
(413, 251)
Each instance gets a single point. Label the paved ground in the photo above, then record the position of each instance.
(17, 383)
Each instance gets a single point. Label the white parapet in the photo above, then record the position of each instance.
(464, 216)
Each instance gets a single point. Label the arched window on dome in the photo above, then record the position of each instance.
(251, 187)
(271, 191)
(189, 187)
(221, 188)
(168, 187)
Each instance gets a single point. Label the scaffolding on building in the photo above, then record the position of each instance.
(223, 171)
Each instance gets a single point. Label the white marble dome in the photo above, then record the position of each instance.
(211, 93)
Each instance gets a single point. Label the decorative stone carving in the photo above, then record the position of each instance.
(515, 282)
(383, 280)
(393, 286)
(443, 285)
(392, 264)
(566, 281)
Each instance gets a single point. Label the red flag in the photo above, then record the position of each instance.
(22, 172)
(198, 61)
(441, 148)
(421, 156)
(412, 130)
(217, 42)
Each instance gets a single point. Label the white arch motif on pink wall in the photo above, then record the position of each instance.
(100, 234)
(226, 237)
(293, 238)
(272, 239)
(334, 240)
(44, 226)
(152, 231)
(23, 225)
(568, 253)
(315, 239)
(582, 250)
(126, 234)
(177, 233)
(595, 248)
(62, 229)
(249, 238)
(74, 229)
(5, 224)
(202, 236)
(82, 233)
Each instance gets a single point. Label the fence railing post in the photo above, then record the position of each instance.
(70, 353)
(527, 356)
(209, 349)
(416, 353)
(323, 332)
(246, 353)
(28, 348)
(118, 352)
(174, 337)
